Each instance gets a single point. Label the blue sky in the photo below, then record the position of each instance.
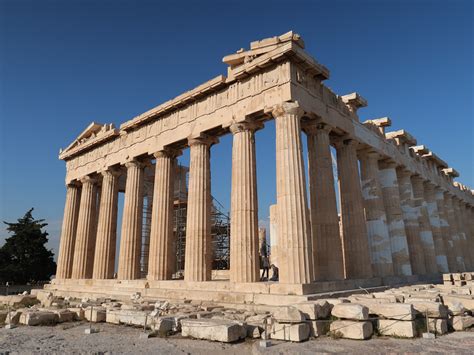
(64, 64)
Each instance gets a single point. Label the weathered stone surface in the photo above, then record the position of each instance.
(466, 301)
(462, 322)
(97, 315)
(64, 315)
(438, 326)
(3, 316)
(318, 328)
(16, 301)
(78, 312)
(314, 310)
(405, 329)
(350, 311)
(38, 318)
(351, 329)
(433, 309)
(291, 332)
(400, 311)
(288, 314)
(211, 329)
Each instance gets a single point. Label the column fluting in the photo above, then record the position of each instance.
(448, 199)
(445, 230)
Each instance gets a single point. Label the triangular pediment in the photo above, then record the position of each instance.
(94, 133)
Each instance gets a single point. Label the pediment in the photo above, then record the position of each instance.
(93, 134)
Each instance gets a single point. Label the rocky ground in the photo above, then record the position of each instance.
(114, 339)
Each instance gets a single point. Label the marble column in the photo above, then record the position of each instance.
(425, 227)
(465, 252)
(131, 236)
(433, 215)
(354, 230)
(198, 254)
(445, 230)
(162, 252)
(295, 252)
(377, 229)
(326, 241)
(448, 200)
(244, 253)
(85, 236)
(106, 242)
(68, 232)
(396, 225)
(411, 214)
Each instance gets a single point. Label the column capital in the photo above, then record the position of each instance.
(339, 142)
(387, 164)
(110, 171)
(315, 126)
(368, 153)
(287, 108)
(87, 180)
(168, 153)
(238, 127)
(73, 184)
(404, 172)
(203, 139)
(134, 163)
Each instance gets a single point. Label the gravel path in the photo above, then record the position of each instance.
(112, 339)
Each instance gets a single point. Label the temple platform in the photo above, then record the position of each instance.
(225, 292)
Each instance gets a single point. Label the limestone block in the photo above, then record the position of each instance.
(258, 319)
(163, 325)
(461, 323)
(334, 301)
(438, 326)
(455, 308)
(433, 309)
(3, 316)
(314, 310)
(98, 314)
(326, 307)
(318, 328)
(466, 301)
(65, 315)
(253, 331)
(405, 329)
(290, 332)
(16, 301)
(352, 329)
(112, 316)
(211, 329)
(38, 318)
(288, 314)
(400, 311)
(350, 311)
(78, 312)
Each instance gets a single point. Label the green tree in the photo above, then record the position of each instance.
(24, 257)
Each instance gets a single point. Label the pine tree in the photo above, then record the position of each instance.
(24, 257)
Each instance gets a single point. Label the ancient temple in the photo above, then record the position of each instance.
(402, 217)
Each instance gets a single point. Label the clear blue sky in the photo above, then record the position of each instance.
(67, 63)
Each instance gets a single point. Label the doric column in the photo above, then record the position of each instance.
(198, 255)
(85, 236)
(68, 232)
(465, 252)
(460, 266)
(294, 233)
(445, 230)
(396, 225)
(425, 226)
(354, 230)
(244, 260)
(106, 242)
(326, 241)
(411, 214)
(433, 215)
(162, 252)
(377, 229)
(131, 236)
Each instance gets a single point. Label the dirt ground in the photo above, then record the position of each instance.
(112, 339)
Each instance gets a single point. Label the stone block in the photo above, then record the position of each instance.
(350, 311)
(38, 318)
(314, 310)
(212, 329)
(78, 313)
(400, 311)
(3, 316)
(438, 326)
(433, 309)
(14, 317)
(290, 332)
(16, 301)
(98, 314)
(163, 325)
(288, 314)
(64, 315)
(455, 307)
(461, 323)
(318, 328)
(466, 301)
(351, 329)
(334, 301)
(390, 327)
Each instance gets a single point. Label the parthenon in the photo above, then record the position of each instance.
(398, 215)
